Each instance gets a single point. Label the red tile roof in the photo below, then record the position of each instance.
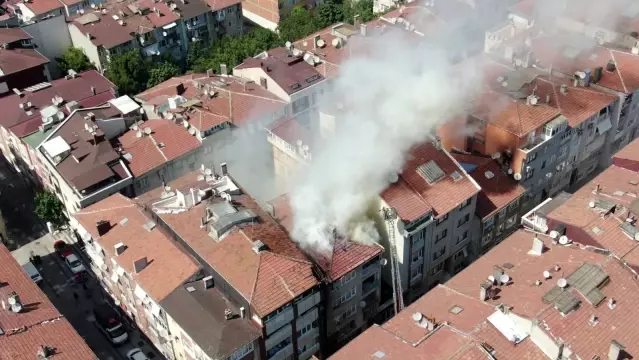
(168, 266)
(628, 157)
(39, 324)
(268, 279)
(235, 99)
(346, 256)
(497, 190)
(413, 197)
(104, 32)
(289, 130)
(146, 151)
(581, 220)
(40, 7)
(456, 306)
(10, 35)
(16, 60)
(221, 4)
(77, 89)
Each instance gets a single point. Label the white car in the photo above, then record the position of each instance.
(136, 354)
(74, 264)
(33, 272)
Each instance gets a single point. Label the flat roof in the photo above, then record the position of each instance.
(56, 146)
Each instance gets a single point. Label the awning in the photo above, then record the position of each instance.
(604, 126)
(169, 26)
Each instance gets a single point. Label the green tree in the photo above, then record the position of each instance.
(75, 59)
(297, 24)
(363, 8)
(129, 72)
(328, 13)
(161, 72)
(49, 208)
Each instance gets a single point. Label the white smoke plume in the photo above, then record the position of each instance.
(396, 92)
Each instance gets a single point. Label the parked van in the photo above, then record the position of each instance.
(109, 322)
(33, 272)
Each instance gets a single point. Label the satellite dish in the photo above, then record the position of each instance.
(637, 236)
(504, 279)
(563, 240)
(546, 274)
(383, 262)
(392, 178)
(208, 172)
(192, 131)
(491, 279)
(362, 304)
(170, 116)
(138, 134)
(418, 316)
(554, 234)
(299, 143)
(12, 300)
(186, 124)
(562, 283)
(288, 45)
(148, 130)
(321, 43)
(167, 188)
(533, 100)
(141, 110)
(517, 176)
(544, 228)
(510, 171)
(591, 204)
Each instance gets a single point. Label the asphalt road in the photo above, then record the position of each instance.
(18, 205)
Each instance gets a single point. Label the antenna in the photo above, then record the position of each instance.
(148, 130)
(138, 134)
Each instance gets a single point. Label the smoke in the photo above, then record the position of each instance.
(396, 91)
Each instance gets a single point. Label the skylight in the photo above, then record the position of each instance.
(431, 172)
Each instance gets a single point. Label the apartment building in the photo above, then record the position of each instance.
(499, 203)
(427, 216)
(32, 327)
(160, 287)
(35, 10)
(21, 126)
(249, 257)
(154, 28)
(536, 299)
(81, 165)
(21, 64)
(352, 277)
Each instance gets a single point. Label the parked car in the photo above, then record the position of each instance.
(136, 354)
(33, 272)
(74, 264)
(62, 248)
(110, 324)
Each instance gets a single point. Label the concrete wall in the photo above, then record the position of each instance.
(80, 41)
(51, 36)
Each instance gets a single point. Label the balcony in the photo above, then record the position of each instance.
(370, 269)
(283, 353)
(278, 337)
(309, 352)
(369, 285)
(278, 321)
(308, 302)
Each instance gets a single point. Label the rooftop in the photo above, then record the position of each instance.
(22, 334)
(291, 72)
(11, 35)
(165, 142)
(234, 99)
(497, 188)
(38, 7)
(168, 266)
(452, 322)
(628, 156)
(430, 181)
(603, 218)
(86, 88)
(88, 159)
(200, 313)
(346, 256)
(16, 58)
(267, 276)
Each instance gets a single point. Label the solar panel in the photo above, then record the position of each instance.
(431, 172)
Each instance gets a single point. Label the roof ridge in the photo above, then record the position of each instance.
(255, 96)
(130, 204)
(625, 89)
(405, 182)
(292, 258)
(157, 147)
(257, 275)
(280, 277)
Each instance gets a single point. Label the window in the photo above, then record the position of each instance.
(300, 105)
(513, 205)
(275, 349)
(511, 221)
(418, 237)
(441, 236)
(417, 255)
(465, 203)
(463, 220)
(345, 297)
(350, 311)
(416, 272)
(529, 174)
(437, 269)
(487, 238)
(441, 219)
(500, 228)
(462, 237)
(439, 253)
(488, 223)
(143, 183)
(531, 157)
(343, 280)
(459, 254)
(543, 164)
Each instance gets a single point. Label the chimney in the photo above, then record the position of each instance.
(263, 83)
(611, 66)
(356, 21)
(497, 273)
(615, 350)
(208, 282)
(179, 89)
(547, 98)
(563, 89)
(228, 314)
(537, 247)
(119, 248)
(103, 226)
(242, 312)
(223, 70)
(315, 40)
(587, 77)
(484, 290)
(140, 264)
(362, 29)
(210, 72)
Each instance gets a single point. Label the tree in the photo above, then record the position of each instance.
(162, 72)
(363, 8)
(75, 59)
(297, 24)
(128, 72)
(328, 13)
(49, 208)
